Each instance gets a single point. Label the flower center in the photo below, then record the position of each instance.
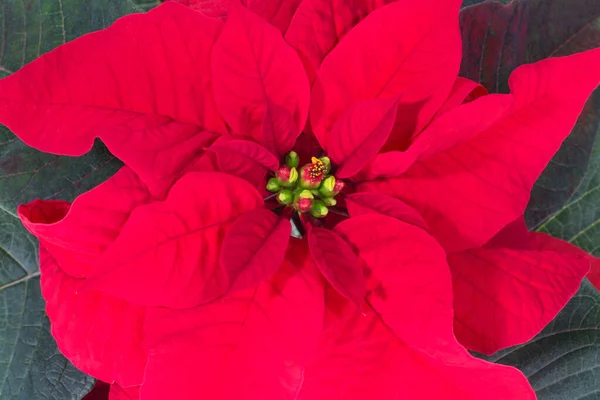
(309, 189)
(316, 170)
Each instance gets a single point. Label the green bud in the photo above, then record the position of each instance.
(327, 187)
(319, 209)
(273, 185)
(285, 197)
(292, 159)
(305, 194)
(329, 201)
(327, 162)
(293, 175)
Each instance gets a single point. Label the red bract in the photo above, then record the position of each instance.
(464, 160)
(278, 12)
(177, 277)
(542, 271)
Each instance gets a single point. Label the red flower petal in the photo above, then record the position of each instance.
(459, 125)
(245, 159)
(254, 248)
(516, 236)
(387, 165)
(338, 263)
(444, 132)
(248, 150)
(407, 266)
(232, 161)
(121, 91)
(77, 235)
(279, 130)
(100, 334)
(248, 345)
(360, 133)
(541, 240)
(119, 393)
(377, 203)
(419, 61)
(469, 191)
(317, 26)
(146, 264)
(253, 68)
(405, 337)
(210, 8)
(278, 12)
(463, 91)
(159, 150)
(504, 294)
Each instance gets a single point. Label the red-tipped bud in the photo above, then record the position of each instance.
(330, 187)
(287, 176)
(338, 187)
(303, 201)
(327, 186)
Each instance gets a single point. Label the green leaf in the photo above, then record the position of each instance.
(467, 3)
(578, 221)
(27, 174)
(31, 366)
(498, 38)
(146, 5)
(563, 361)
(31, 28)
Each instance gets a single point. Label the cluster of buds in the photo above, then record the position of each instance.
(310, 189)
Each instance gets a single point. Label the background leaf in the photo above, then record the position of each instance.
(31, 367)
(563, 361)
(27, 174)
(497, 39)
(578, 221)
(467, 3)
(146, 5)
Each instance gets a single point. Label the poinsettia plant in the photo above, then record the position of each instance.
(178, 276)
